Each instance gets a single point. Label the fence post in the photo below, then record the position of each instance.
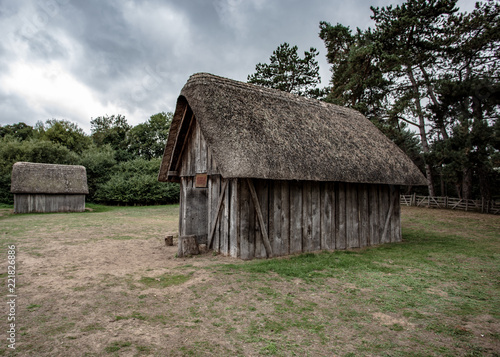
(446, 202)
(414, 199)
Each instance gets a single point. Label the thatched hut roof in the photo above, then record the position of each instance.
(265, 133)
(28, 177)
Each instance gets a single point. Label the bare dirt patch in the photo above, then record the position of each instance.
(105, 283)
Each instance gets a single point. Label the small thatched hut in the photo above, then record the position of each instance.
(48, 187)
(267, 173)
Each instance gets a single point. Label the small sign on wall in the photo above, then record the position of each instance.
(201, 180)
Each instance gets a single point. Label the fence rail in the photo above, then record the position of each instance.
(451, 203)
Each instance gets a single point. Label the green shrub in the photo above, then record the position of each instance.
(135, 183)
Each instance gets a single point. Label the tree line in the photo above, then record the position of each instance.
(426, 74)
(122, 161)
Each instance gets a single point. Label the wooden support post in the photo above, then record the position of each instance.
(219, 206)
(265, 238)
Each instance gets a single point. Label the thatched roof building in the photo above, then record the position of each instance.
(48, 187)
(264, 133)
(237, 131)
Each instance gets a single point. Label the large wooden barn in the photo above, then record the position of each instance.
(266, 173)
(48, 187)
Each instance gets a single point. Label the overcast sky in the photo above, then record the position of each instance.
(80, 59)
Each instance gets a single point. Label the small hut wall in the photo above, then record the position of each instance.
(42, 203)
(304, 216)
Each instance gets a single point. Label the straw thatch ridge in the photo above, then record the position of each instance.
(34, 178)
(265, 133)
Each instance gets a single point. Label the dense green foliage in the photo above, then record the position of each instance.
(122, 161)
(425, 65)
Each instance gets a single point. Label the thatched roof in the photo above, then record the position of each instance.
(265, 133)
(28, 177)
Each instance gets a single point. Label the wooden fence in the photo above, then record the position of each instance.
(482, 206)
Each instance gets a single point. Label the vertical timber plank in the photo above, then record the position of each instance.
(197, 145)
(316, 216)
(306, 217)
(355, 216)
(396, 216)
(364, 220)
(217, 192)
(276, 241)
(262, 189)
(349, 227)
(233, 218)
(224, 236)
(271, 214)
(246, 251)
(374, 215)
(340, 242)
(326, 217)
(295, 217)
(285, 218)
(203, 153)
(384, 202)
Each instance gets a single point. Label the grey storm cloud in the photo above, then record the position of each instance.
(74, 60)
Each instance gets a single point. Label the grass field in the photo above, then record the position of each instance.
(103, 283)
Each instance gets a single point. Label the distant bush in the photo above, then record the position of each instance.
(135, 183)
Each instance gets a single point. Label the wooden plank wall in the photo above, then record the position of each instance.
(31, 203)
(304, 216)
(196, 157)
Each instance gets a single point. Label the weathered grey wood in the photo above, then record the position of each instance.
(333, 190)
(374, 215)
(326, 218)
(263, 229)
(386, 207)
(275, 219)
(182, 195)
(364, 215)
(40, 203)
(316, 216)
(195, 220)
(224, 237)
(210, 208)
(261, 189)
(340, 242)
(246, 246)
(218, 214)
(233, 219)
(285, 218)
(218, 211)
(193, 150)
(295, 217)
(253, 225)
(395, 218)
(187, 246)
(197, 149)
(184, 146)
(306, 217)
(353, 221)
(203, 153)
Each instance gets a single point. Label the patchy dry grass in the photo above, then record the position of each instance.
(103, 283)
